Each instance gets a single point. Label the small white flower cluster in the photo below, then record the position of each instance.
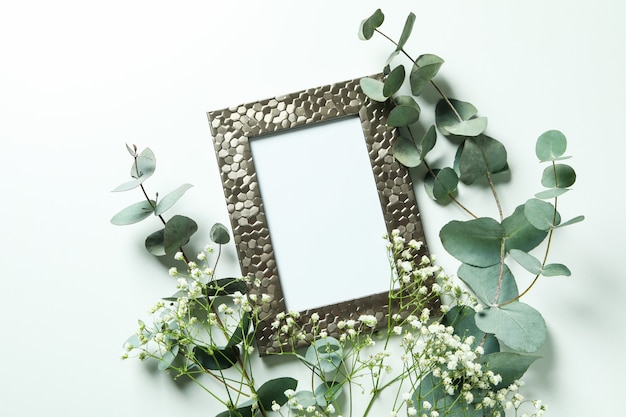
(186, 319)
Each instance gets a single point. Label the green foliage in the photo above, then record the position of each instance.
(168, 201)
(406, 31)
(520, 233)
(423, 71)
(143, 167)
(517, 325)
(475, 242)
(216, 359)
(462, 319)
(369, 25)
(450, 114)
(480, 157)
(373, 89)
(134, 213)
(558, 176)
(178, 231)
(219, 234)
(441, 183)
(551, 146)
(490, 284)
(274, 390)
(394, 81)
(325, 354)
(510, 366)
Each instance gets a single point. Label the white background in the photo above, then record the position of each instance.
(80, 79)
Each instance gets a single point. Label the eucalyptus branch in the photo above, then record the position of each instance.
(439, 90)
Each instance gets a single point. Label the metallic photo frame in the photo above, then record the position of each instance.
(233, 127)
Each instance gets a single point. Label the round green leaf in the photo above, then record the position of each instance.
(177, 232)
(394, 81)
(134, 213)
(442, 185)
(484, 282)
(274, 390)
(520, 234)
(461, 318)
(216, 359)
(471, 127)
(475, 242)
(168, 357)
(327, 393)
(428, 141)
(303, 398)
(509, 365)
(219, 234)
(403, 115)
(446, 117)
(541, 214)
(154, 243)
(517, 325)
(424, 70)
(405, 151)
(551, 145)
(373, 89)
(480, 156)
(558, 176)
(367, 27)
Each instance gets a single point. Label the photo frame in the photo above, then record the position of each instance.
(232, 130)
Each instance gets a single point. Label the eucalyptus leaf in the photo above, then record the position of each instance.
(303, 398)
(327, 393)
(428, 141)
(403, 115)
(471, 127)
(520, 233)
(442, 184)
(134, 213)
(425, 69)
(244, 410)
(325, 354)
(369, 25)
(517, 325)
(274, 390)
(541, 214)
(553, 270)
(551, 193)
(241, 331)
(558, 176)
(143, 167)
(405, 151)
(527, 261)
(168, 201)
(216, 359)
(406, 31)
(445, 116)
(394, 81)
(481, 155)
(461, 318)
(576, 219)
(219, 234)
(154, 243)
(373, 89)
(486, 285)
(225, 286)
(177, 232)
(551, 146)
(168, 357)
(475, 242)
(510, 366)
(132, 151)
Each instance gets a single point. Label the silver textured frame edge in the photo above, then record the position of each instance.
(234, 126)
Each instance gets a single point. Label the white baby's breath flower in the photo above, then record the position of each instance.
(173, 271)
(179, 256)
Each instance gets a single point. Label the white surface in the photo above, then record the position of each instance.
(323, 212)
(79, 79)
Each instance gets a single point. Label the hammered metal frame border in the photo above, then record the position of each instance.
(234, 126)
